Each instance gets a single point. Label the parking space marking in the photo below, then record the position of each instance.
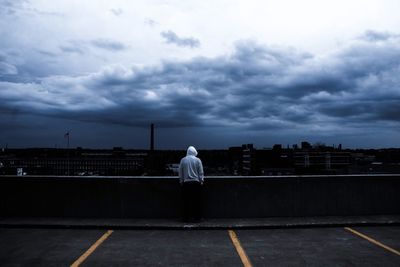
(84, 256)
(242, 254)
(373, 241)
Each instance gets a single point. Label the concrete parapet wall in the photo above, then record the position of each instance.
(223, 197)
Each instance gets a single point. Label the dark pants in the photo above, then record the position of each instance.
(191, 201)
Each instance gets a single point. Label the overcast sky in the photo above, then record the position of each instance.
(212, 74)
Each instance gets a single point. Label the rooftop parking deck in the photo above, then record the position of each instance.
(349, 220)
(337, 246)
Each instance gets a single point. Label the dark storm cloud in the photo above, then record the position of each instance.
(47, 53)
(23, 65)
(16, 7)
(82, 46)
(108, 44)
(7, 69)
(150, 22)
(116, 11)
(73, 47)
(378, 36)
(11, 7)
(256, 88)
(172, 38)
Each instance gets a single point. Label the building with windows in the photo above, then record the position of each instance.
(73, 161)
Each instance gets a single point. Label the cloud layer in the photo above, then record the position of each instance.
(256, 88)
(172, 38)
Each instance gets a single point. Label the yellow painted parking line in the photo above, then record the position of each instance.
(373, 241)
(242, 254)
(91, 249)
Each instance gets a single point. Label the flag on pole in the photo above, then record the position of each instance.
(66, 135)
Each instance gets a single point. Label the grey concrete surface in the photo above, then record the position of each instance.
(264, 247)
(44, 247)
(390, 236)
(166, 248)
(314, 247)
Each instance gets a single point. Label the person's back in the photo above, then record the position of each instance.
(191, 167)
(191, 177)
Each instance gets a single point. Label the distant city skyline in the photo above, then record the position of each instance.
(209, 74)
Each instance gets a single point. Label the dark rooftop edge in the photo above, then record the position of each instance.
(206, 177)
(174, 224)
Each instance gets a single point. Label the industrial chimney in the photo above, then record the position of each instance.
(152, 137)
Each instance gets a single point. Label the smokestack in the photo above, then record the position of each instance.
(152, 137)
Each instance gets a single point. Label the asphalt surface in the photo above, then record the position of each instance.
(264, 247)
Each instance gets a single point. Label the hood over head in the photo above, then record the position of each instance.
(191, 151)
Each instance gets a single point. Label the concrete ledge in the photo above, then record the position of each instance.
(170, 224)
(223, 197)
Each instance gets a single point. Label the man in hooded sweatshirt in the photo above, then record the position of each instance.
(191, 177)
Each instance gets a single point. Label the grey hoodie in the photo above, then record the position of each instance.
(191, 168)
